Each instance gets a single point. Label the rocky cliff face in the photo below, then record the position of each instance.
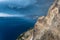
(47, 27)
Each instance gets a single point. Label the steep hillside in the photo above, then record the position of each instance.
(46, 27)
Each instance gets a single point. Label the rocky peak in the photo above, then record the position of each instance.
(49, 23)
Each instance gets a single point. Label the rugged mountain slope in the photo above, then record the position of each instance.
(47, 27)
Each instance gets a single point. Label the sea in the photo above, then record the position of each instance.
(18, 16)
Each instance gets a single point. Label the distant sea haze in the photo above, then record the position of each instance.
(10, 15)
(17, 16)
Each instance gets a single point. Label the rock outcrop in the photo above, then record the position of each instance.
(26, 35)
(47, 27)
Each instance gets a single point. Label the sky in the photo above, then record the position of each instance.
(25, 6)
(15, 3)
(22, 3)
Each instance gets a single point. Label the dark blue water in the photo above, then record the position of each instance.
(12, 27)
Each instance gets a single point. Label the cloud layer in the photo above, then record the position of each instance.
(20, 3)
(10, 15)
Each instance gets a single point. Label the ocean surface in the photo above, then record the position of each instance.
(17, 16)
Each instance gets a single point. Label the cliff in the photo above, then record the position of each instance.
(46, 27)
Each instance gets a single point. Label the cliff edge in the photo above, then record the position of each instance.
(46, 27)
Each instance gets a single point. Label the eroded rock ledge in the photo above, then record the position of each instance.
(47, 27)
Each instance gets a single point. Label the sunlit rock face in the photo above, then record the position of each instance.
(47, 27)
